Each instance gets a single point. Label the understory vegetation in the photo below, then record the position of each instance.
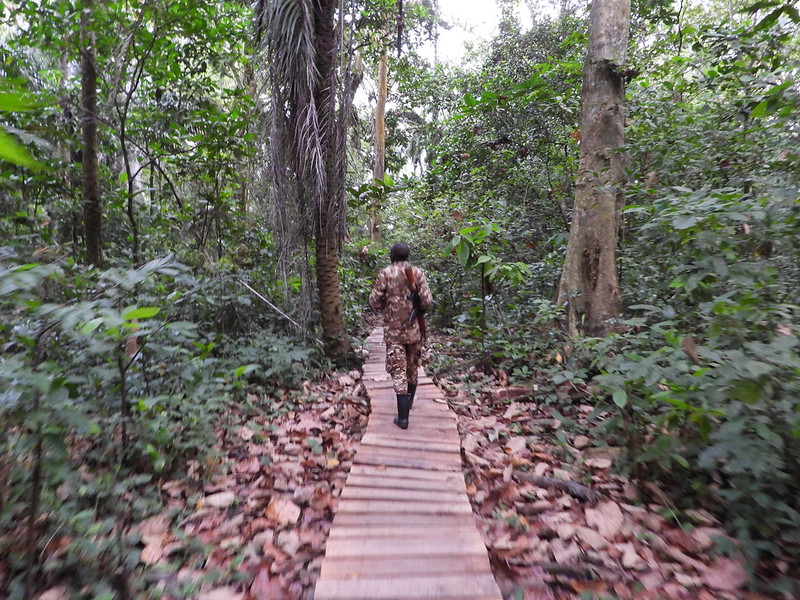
(120, 375)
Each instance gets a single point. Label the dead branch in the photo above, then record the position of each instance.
(576, 490)
(280, 312)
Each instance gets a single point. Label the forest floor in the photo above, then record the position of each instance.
(255, 529)
(559, 523)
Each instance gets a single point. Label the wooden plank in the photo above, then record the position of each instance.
(411, 453)
(401, 483)
(380, 384)
(415, 431)
(392, 519)
(401, 461)
(407, 529)
(418, 414)
(423, 416)
(423, 437)
(419, 409)
(420, 455)
(389, 400)
(412, 566)
(355, 547)
(402, 588)
(401, 438)
(440, 431)
(404, 472)
(399, 441)
(405, 508)
(398, 495)
(415, 421)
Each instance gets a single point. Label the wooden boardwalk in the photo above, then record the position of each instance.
(404, 528)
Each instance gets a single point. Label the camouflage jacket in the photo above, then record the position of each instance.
(390, 294)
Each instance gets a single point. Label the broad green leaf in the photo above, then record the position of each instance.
(746, 390)
(685, 221)
(463, 253)
(620, 397)
(90, 326)
(143, 312)
(14, 152)
(14, 102)
(681, 461)
(765, 433)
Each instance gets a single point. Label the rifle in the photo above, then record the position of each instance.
(416, 313)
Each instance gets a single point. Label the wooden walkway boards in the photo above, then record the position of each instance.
(404, 528)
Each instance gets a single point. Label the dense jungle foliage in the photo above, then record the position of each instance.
(117, 376)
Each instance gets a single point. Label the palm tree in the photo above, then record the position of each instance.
(310, 112)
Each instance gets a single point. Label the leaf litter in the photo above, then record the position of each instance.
(558, 523)
(564, 526)
(256, 528)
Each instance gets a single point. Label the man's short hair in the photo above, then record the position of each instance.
(399, 252)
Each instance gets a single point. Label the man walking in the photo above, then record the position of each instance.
(402, 293)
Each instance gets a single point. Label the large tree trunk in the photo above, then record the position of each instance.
(589, 285)
(329, 207)
(379, 167)
(92, 213)
(334, 333)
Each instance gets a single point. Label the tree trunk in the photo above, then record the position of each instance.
(589, 285)
(329, 207)
(379, 167)
(92, 213)
(334, 333)
(131, 188)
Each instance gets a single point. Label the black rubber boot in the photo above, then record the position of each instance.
(403, 406)
(412, 390)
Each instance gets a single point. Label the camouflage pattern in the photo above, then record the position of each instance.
(402, 363)
(403, 344)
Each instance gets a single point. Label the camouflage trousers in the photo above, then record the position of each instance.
(402, 363)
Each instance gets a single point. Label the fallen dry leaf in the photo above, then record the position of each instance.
(703, 517)
(55, 593)
(174, 488)
(704, 537)
(265, 587)
(283, 510)
(606, 518)
(516, 445)
(591, 538)
(580, 442)
(219, 500)
(564, 553)
(725, 575)
(154, 528)
(221, 593)
(152, 553)
(631, 560)
(247, 466)
(288, 541)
